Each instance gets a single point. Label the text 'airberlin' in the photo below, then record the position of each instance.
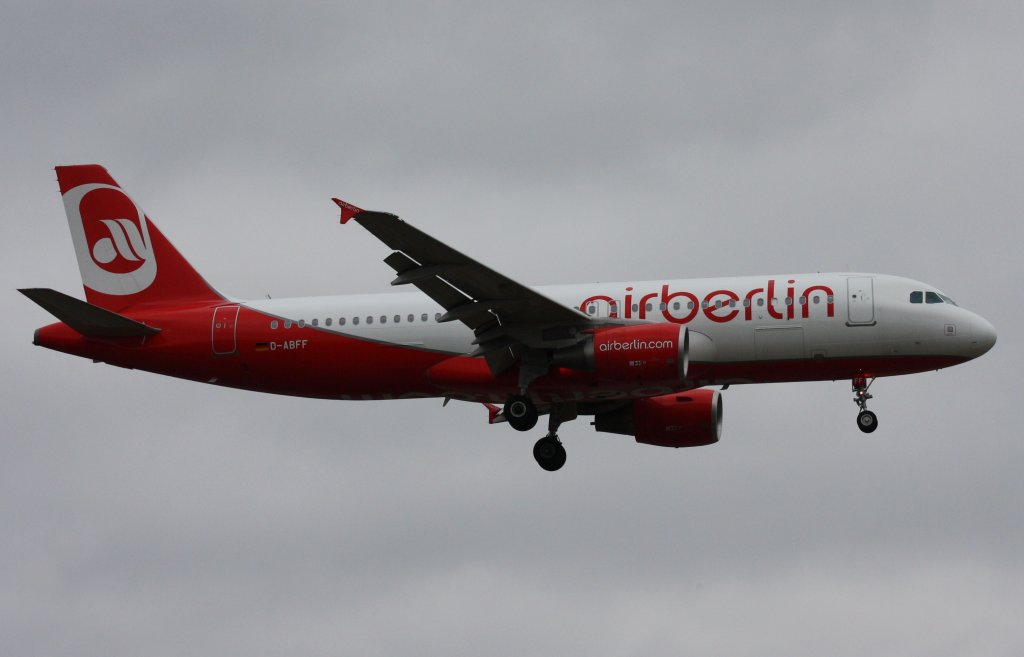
(718, 306)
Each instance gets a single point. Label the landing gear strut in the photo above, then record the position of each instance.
(521, 412)
(866, 420)
(548, 451)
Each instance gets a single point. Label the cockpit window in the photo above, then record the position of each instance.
(917, 296)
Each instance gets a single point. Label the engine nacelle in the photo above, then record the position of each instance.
(682, 419)
(644, 354)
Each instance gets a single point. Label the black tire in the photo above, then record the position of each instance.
(550, 453)
(521, 412)
(867, 421)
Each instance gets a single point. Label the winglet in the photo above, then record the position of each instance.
(494, 414)
(347, 210)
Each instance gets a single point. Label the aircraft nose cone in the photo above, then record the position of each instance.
(983, 335)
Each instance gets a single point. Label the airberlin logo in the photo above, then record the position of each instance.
(111, 237)
(682, 307)
(125, 241)
(631, 345)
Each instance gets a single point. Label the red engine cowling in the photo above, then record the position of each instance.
(682, 419)
(649, 353)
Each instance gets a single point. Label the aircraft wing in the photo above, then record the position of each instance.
(506, 317)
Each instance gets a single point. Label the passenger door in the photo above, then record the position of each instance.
(860, 301)
(224, 330)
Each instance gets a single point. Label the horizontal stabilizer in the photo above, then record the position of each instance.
(87, 319)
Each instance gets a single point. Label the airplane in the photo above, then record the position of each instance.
(642, 358)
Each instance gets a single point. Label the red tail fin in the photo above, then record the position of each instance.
(124, 259)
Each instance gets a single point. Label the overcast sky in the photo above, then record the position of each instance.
(557, 142)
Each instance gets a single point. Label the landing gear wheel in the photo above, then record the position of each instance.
(550, 453)
(521, 412)
(866, 421)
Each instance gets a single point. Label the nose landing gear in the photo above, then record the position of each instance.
(866, 420)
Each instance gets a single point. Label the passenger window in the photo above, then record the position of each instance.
(613, 307)
(327, 321)
(647, 307)
(369, 319)
(732, 303)
(591, 309)
(341, 321)
(287, 323)
(315, 322)
(383, 319)
(931, 297)
(916, 296)
(423, 317)
(675, 306)
(803, 301)
(411, 318)
(817, 299)
(635, 307)
(746, 303)
(760, 301)
(830, 298)
(398, 318)
(355, 321)
(437, 317)
(273, 324)
(302, 323)
(789, 301)
(704, 304)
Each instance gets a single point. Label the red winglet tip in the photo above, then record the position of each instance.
(347, 210)
(492, 413)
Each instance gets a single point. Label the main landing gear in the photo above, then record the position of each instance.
(866, 420)
(521, 413)
(549, 452)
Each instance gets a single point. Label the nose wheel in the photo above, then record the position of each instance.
(866, 420)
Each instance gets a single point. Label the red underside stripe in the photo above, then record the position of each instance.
(317, 363)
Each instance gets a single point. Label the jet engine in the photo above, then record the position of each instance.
(683, 419)
(649, 353)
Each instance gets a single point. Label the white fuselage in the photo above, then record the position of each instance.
(807, 316)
